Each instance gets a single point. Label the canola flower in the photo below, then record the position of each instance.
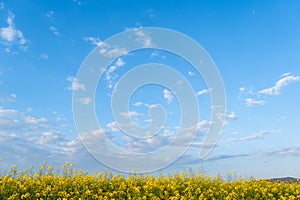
(78, 184)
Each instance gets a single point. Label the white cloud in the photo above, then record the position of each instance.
(96, 42)
(72, 146)
(7, 99)
(110, 70)
(130, 114)
(50, 14)
(152, 105)
(231, 116)
(150, 13)
(150, 143)
(155, 53)
(256, 136)
(203, 125)
(7, 112)
(285, 74)
(226, 118)
(204, 91)
(98, 132)
(2, 5)
(54, 30)
(85, 100)
(48, 137)
(26, 128)
(285, 81)
(138, 103)
(110, 75)
(113, 52)
(168, 95)
(191, 73)
(259, 135)
(75, 84)
(28, 139)
(11, 35)
(180, 83)
(143, 38)
(254, 102)
(113, 126)
(290, 151)
(78, 2)
(242, 89)
(106, 49)
(43, 56)
(120, 62)
(33, 120)
(246, 91)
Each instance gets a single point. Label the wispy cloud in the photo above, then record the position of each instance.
(154, 54)
(143, 38)
(141, 145)
(254, 102)
(224, 117)
(106, 49)
(246, 91)
(289, 151)
(26, 128)
(43, 56)
(7, 99)
(78, 2)
(33, 120)
(204, 91)
(256, 98)
(10, 35)
(85, 100)
(54, 30)
(22, 134)
(2, 6)
(50, 14)
(203, 125)
(110, 74)
(75, 84)
(259, 135)
(113, 126)
(120, 62)
(149, 144)
(242, 89)
(285, 74)
(150, 13)
(168, 95)
(191, 73)
(130, 114)
(139, 103)
(285, 81)
(225, 156)
(231, 116)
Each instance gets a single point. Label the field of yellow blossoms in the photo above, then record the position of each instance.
(77, 184)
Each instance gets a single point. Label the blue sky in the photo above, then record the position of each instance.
(254, 44)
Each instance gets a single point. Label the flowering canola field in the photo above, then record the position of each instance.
(77, 184)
